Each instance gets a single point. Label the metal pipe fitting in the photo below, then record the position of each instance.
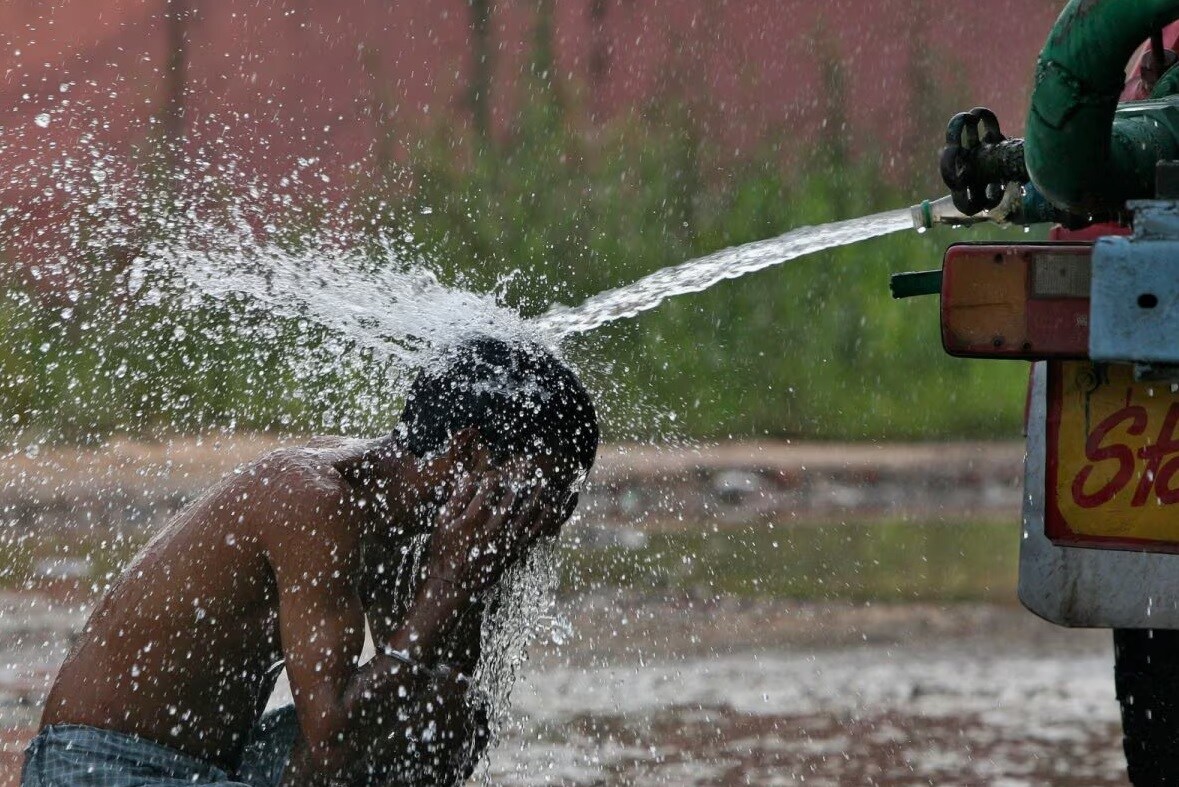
(1020, 205)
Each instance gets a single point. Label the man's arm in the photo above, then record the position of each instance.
(383, 591)
(312, 543)
(459, 713)
(405, 724)
(443, 727)
(311, 538)
(468, 554)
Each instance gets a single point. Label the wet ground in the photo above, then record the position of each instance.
(787, 615)
(759, 692)
(677, 691)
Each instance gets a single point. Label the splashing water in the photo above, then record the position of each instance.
(238, 282)
(388, 312)
(700, 274)
(223, 242)
(401, 315)
(522, 602)
(398, 313)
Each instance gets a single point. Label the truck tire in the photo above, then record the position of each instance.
(1146, 674)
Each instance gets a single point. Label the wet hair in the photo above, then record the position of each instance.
(522, 400)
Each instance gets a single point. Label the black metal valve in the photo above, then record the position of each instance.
(978, 161)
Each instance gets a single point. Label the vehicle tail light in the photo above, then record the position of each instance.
(1027, 302)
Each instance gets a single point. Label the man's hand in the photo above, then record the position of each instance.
(484, 528)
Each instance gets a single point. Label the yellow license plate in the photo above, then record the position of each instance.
(1113, 459)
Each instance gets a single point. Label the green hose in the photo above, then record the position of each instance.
(1078, 156)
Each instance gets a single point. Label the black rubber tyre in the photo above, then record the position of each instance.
(1146, 673)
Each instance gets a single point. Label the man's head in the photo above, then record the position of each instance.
(524, 404)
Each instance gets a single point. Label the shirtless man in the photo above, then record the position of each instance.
(284, 561)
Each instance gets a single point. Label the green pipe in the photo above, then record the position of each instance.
(1078, 156)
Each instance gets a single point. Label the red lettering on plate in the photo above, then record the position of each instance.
(1096, 451)
(1161, 463)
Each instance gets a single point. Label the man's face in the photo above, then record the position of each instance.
(560, 480)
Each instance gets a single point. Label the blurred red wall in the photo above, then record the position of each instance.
(325, 78)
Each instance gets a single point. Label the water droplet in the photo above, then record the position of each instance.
(42, 120)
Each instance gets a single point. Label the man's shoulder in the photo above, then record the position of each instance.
(318, 462)
(337, 446)
(301, 489)
(306, 514)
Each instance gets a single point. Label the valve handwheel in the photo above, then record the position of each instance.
(978, 161)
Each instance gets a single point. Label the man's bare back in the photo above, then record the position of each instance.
(183, 649)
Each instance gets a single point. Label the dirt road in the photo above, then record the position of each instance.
(127, 484)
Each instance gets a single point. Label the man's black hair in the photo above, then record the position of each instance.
(519, 396)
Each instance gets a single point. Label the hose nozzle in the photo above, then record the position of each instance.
(941, 212)
(1020, 205)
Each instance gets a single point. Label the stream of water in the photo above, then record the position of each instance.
(379, 307)
(704, 272)
(399, 313)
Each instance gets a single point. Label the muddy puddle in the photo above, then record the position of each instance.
(819, 694)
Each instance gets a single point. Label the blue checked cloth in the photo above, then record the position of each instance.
(73, 755)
